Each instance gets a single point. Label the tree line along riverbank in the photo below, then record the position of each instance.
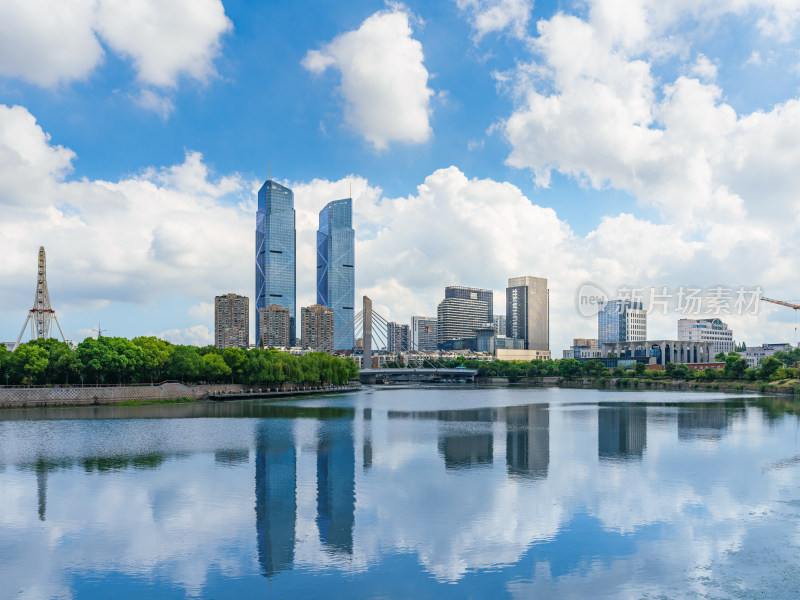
(775, 374)
(147, 359)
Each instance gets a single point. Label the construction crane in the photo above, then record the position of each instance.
(794, 307)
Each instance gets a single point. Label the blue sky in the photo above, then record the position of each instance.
(625, 143)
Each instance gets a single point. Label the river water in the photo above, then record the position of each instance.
(405, 493)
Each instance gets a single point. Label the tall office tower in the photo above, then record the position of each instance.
(275, 322)
(621, 321)
(500, 324)
(231, 321)
(317, 327)
(528, 311)
(458, 318)
(276, 245)
(336, 284)
(706, 330)
(468, 293)
(423, 334)
(398, 337)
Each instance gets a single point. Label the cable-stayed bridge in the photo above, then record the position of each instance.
(374, 332)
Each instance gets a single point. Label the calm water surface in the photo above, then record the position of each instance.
(405, 493)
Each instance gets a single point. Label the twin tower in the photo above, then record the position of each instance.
(276, 260)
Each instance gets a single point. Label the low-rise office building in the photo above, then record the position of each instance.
(707, 330)
(755, 354)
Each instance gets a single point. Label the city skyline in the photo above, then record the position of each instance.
(135, 161)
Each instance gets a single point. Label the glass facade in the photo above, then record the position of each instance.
(336, 285)
(276, 246)
(621, 321)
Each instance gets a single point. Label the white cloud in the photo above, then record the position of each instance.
(202, 312)
(165, 40)
(160, 104)
(187, 234)
(47, 42)
(492, 16)
(704, 68)
(163, 231)
(383, 79)
(197, 335)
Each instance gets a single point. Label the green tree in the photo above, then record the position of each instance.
(769, 366)
(214, 368)
(5, 360)
(569, 368)
(682, 372)
(236, 359)
(29, 363)
(155, 356)
(669, 369)
(640, 368)
(184, 364)
(735, 366)
(720, 357)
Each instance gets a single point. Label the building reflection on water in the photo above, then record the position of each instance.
(276, 495)
(621, 432)
(528, 440)
(703, 421)
(336, 485)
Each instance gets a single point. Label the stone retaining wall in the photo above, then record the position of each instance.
(76, 396)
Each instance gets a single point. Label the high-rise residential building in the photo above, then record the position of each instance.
(706, 330)
(528, 311)
(317, 327)
(468, 293)
(458, 318)
(276, 245)
(587, 343)
(274, 321)
(424, 337)
(500, 324)
(231, 321)
(621, 321)
(397, 337)
(336, 269)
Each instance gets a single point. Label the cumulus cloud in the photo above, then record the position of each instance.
(165, 40)
(47, 42)
(383, 79)
(129, 240)
(703, 68)
(492, 16)
(197, 335)
(184, 232)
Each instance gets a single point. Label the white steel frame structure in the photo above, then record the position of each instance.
(41, 316)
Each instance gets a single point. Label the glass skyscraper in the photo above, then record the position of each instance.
(621, 321)
(336, 285)
(276, 267)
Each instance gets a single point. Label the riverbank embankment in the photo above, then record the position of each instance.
(28, 397)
